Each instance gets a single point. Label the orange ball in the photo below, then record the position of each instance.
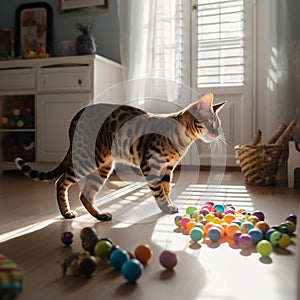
(232, 229)
(263, 226)
(228, 218)
(143, 253)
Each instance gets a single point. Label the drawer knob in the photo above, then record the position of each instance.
(79, 81)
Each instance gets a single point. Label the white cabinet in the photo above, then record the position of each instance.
(54, 114)
(39, 97)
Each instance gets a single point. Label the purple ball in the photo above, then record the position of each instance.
(67, 238)
(292, 218)
(259, 214)
(168, 259)
(245, 241)
(236, 236)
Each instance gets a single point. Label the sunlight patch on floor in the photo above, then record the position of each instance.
(26, 229)
(198, 194)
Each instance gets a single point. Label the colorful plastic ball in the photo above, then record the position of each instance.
(118, 258)
(246, 226)
(177, 221)
(191, 209)
(86, 266)
(253, 219)
(132, 270)
(190, 225)
(67, 238)
(228, 218)
(184, 221)
(268, 233)
(143, 253)
(256, 235)
(290, 225)
(264, 248)
(102, 249)
(245, 241)
(196, 234)
(168, 259)
(232, 229)
(285, 241)
(219, 208)
(88, 232)
(263, 226)
(214, 234)
(292, 218)
(275, 237)
(259, 214)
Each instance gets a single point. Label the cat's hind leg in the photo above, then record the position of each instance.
(93, 184)
(160, 188)
(62, 186)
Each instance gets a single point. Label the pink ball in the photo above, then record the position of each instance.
(168, 259)
(185, 221)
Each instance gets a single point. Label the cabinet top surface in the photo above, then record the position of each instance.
(52, 61)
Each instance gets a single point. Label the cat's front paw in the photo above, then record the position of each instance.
(104, 217)
(70, 214)
(170, 209)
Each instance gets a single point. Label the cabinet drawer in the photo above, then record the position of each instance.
(68, 79)
(17, 78)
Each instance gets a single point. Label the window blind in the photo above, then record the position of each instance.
(220, 43)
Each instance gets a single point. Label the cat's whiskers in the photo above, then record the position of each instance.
(217, 142)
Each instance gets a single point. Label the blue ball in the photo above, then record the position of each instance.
(268, 233)
(256, 235)
(132, 270)
(214, 234)
(118, 257)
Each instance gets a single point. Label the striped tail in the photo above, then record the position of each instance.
(37, 175)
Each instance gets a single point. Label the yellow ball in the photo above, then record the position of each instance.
(190, 225)
(210, 218)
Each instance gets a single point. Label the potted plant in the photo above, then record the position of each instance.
(85, 43)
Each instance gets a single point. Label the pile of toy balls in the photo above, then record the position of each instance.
(247, 229)
(96, 248)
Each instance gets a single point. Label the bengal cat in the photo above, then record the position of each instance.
(102, 134)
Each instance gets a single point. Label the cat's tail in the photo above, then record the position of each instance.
(24, 167)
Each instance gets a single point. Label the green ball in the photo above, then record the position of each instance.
(191, 209)
(196, 234)
(264, 248)
(275, 238)
(102, 249)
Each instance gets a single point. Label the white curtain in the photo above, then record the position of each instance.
(151, 52)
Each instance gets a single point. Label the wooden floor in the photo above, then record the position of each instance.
(30, 229)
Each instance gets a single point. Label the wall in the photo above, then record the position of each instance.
(106, 26)
(278, 64)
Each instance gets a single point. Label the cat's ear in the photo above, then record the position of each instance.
(218, 106)
(205, 102)
(208, 99)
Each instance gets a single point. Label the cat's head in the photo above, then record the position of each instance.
(205, 118)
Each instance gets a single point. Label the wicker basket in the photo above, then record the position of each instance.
(259, 162)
